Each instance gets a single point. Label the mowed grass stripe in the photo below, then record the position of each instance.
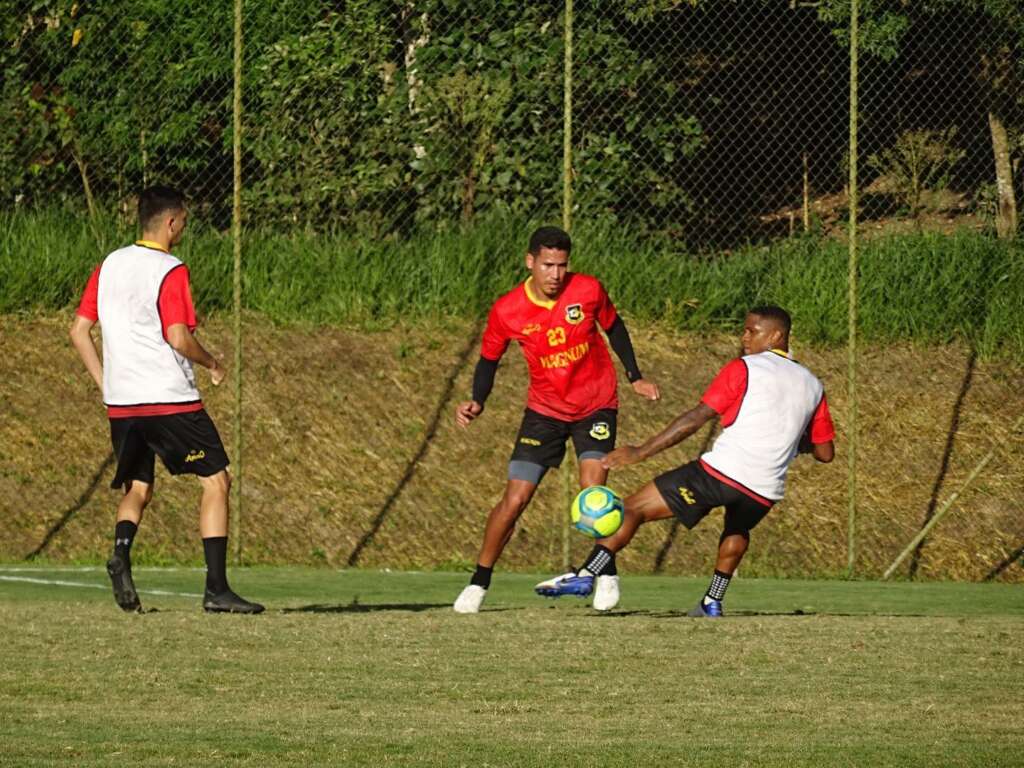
(297, 589)
(374, 669)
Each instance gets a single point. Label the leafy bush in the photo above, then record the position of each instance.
(918, 161)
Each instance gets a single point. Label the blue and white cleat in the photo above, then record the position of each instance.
(566, 584)
(712, 610)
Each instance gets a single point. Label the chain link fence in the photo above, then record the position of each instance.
(700, 128)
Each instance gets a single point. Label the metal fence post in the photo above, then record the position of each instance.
(568, 487)
(236, 238)
(852, 306)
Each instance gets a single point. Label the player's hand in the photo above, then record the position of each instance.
(621, 457)
(647, 389)
(217, 373)
(466, 411)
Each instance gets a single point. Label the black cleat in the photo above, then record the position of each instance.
(124, 588)
(228, 602)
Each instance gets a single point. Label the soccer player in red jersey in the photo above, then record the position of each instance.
(771, 408)
(556, 317)
(141, 296)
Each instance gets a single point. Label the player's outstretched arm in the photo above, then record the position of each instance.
(81, 339)
(674, 433)
(185, 344)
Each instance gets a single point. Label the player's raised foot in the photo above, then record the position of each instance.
(120, 574)
(470, 599)
(228, 602)
(606, 593)
(566, 584)
(711, 609)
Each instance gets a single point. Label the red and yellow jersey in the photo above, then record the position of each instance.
(571, 372)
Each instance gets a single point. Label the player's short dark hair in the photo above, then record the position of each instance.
(550, 237)
(156, 200)
(778, 314)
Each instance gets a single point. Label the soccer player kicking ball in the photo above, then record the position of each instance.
(141, 297)
(771, 408)
(554, 317)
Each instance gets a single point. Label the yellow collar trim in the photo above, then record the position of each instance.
(151, 244)
(531, 297)
(782, 352)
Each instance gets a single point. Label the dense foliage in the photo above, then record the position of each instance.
(690, 118)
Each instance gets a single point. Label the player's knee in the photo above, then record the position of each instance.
(219, 483)
(514, 503)
(734, 541)
(141, 492)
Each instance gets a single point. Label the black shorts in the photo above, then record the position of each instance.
(541, 439)
(187, 443)
(691, 493)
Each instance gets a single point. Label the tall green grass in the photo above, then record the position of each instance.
(923, 287)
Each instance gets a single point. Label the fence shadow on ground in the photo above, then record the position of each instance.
(356, 607)
(947, 454)
(67, 514)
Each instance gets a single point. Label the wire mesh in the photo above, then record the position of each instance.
(703, 127)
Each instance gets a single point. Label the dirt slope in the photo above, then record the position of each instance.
(334, 418)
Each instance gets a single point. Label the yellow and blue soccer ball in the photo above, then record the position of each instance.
(597, 511)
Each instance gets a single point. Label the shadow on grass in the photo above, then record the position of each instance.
(681, 614)
(357, 607)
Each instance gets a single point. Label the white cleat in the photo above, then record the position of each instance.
(606, 593)
(470, 599)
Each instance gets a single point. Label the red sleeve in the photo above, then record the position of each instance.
(175, 301)
(725, 394)
(606, 313)
(496, 338)
(88, 307)
(822, 430)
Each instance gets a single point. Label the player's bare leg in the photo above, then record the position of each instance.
(213, 527)
(731, 548)
(501, 524)
(644, 506)
(119, 567)
(213, 506)
(592, 473)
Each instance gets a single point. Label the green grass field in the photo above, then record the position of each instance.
(373, 668)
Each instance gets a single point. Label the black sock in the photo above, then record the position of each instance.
(719, 583)
(482, 576)
(124, 535)
(600, 562)
(215, 549)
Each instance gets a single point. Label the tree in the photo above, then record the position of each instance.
(995, 31)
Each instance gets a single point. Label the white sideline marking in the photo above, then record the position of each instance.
(85, 568)
(62, 583)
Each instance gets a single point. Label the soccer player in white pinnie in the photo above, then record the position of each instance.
(141, 297)
(771, 408)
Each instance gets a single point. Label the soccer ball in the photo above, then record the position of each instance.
(597, 511)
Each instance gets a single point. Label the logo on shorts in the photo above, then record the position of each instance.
(687, 496)
(529, 441)
(574, 314)
(195, 456)
(600, 430)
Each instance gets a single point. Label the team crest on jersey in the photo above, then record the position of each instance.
(574, 314)
(599, 430)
